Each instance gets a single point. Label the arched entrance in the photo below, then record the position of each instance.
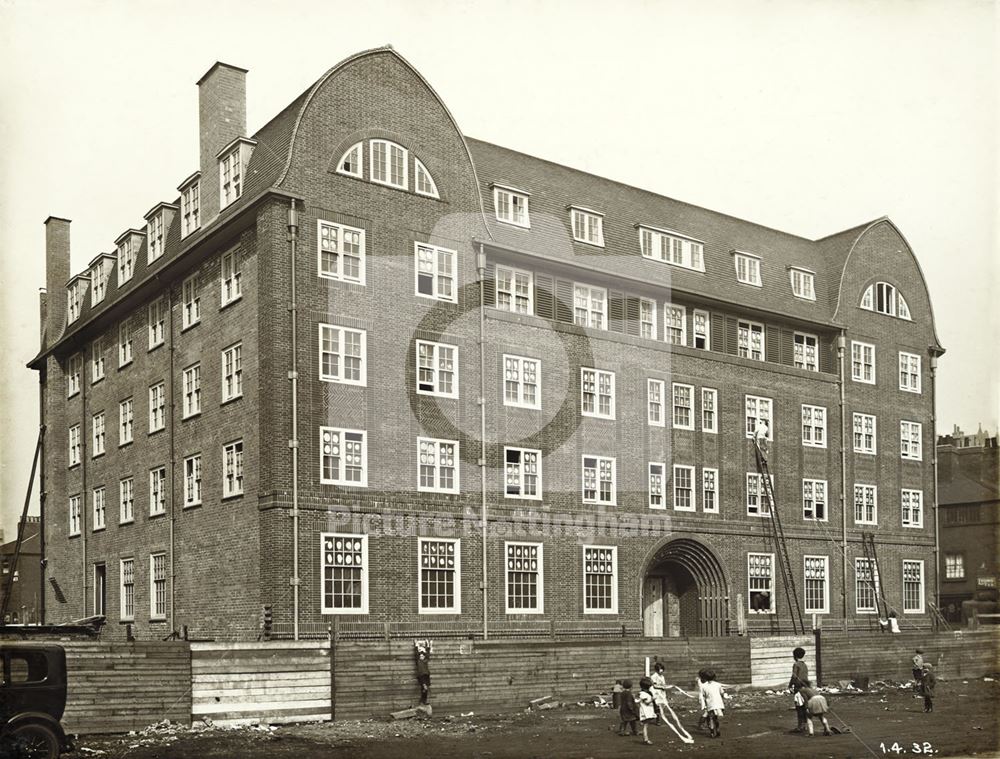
(684, 591)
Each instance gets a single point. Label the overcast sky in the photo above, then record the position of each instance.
(810, 116)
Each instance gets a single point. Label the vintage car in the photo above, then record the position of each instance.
(32, 700)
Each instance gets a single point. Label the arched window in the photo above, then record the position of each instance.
(350, 163)
(885, 299)
(388, 164)
(424, 182)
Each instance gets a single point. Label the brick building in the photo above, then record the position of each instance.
(304, 380)
(969, 516)
(25, 604)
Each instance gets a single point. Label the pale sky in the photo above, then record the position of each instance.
(810, 116)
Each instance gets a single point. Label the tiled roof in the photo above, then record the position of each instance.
(962, 488)
(553, 187)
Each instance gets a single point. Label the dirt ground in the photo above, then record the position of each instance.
(887, 722)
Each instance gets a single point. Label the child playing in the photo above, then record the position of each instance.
(628, 712)
(816, 706)
(800, 674)
(423, 649)
(659, 692)
(703, 719)
(647, 709)
(927, 685)
(713, 697)
(918, 670)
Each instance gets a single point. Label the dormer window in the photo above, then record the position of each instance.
(126, 258)
(423, 181)
(389, 164)
(511, 206)
(671, 248)
(588, 226)
(74, 298)
(154, 237)
(747, 268)
(232, 160)
(350, 163)
(885, 299)
(190, 205)
(99, 272)
(803, 283)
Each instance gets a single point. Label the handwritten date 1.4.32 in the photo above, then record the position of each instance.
(925, 749)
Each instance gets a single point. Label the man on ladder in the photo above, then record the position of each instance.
(760, 436)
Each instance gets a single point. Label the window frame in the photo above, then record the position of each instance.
(614, 578)
(157, 407)
(804, 276)
(191, 391)
(512, 193)
(364, 577)
(97, 361)
(74, 374)
(759, 493)
(669, 311)
(98, 434)
(436, 253)
(418, 170)
(156, 322)
(647, 326)
(908, 449)
(436, 370)
(662, 506)
(825, 500)
(591, 222)
(238, 477)
(922, 584)
(806, 365)
(74, 443)
(660, 385)
(155, 237)
(692, 493)
(707, 336)
(231, 176)
(456, 606)
(342, 331)
(340, 479)
(100, 515)
(860, 366)
(598, 375)
(362, 255)
(874, 584)
(126, 256)
(126, 349)
(520, 383)
(596, 500)
(858, 419)
(825, 561)
(157, 491)
(191, 208)
(954, 567)
(862, 488)
(126, 590)
(691, 409)
(660, 245)
(512, 308)
(592, 314)
(192, 469)
(191, 302)
(910, 522)
(752, 274)
(236, 374)
(705, 490)
(359, 172)
(521, 473)
(126, 515)
(456, 457)
(749, 327)
(231, 281)
(769, 419)
(539, 607)
(772, 588)
(155, 614)
(387, 182)
(909, 385)
(75, 513)
(810, 440)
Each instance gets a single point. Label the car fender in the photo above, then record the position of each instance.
(25, 717)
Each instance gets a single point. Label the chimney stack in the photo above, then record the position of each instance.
(222, 116)
(56, 275)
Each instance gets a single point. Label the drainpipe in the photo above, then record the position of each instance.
(481, 269)
(43, 420)
(171, 348)
(841, 345)
(85, 433)
(293, 443)
(934, 497)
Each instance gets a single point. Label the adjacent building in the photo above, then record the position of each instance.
(23, 576)
(364, 370)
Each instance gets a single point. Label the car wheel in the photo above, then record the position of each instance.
(34, 740)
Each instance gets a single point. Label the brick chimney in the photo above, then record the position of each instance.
(42, 312)
(222, 116)
(56, 275)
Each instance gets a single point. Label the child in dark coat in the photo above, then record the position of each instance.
(927, 684)
(800, 675)
(628, 711)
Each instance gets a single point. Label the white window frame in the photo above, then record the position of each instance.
(813, 427)
(508, 299)
(154, 237)
(755, 488)
(614, 578)
(437, 487)
(751, 266)
(598, 376)
(860, 366)
(338, 274)
(800, 349)
(598, 460)
(126, 500)
(157, 407)
(909, 381)
(389, 146)
(126, 595)
(674, 388)
(157, 491)
(435, 369)
(340, 333)
(97, 360)
(679, 469)
(456, 606)
(157, 322)
(358, 161)
(647, 318)
(910, 449)
(825, 563)
(192, 480)
(233, 477)
(920, 609)
(759, 403)
(655, 409)
(98, 439)
(99, 503)
(539, 607)
(514, 366)
(420, 172)
(330, 551)
(191, 208)
(517, 468)
(825, 500)
(860, 580)
(860, 489)
(744, 338)
(75, 515)
(657, 469)
(125, 346)
(954, 566)
(512, 216)
(772, 588)
(858, 422)
(74, 371)
(669, 247)
(437, 255)
(230, 277)
(191, 388)
(74, 301)
(670, 312)
(591, 225)
(915, 507)
(705, 490)
(696, 334)
(74, 445)
(191, 302)
(156, 613)
(339, 475)
(126, 261)
(593, 317)
(231, 176)
(803, 283)
(232, 372)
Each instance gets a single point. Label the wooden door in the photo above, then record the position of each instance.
(652, 605)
